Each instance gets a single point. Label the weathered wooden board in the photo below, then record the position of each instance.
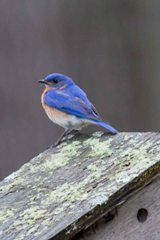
(125, 225)
(65, 189)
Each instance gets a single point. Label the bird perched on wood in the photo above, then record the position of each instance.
(67, 105)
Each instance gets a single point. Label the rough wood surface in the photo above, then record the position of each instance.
(125, 225)
(65, 189)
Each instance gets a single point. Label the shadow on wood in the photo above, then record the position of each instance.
(68, 189)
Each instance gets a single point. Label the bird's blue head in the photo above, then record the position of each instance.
(57, 81)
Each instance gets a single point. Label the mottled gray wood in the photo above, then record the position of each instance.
(65, 189)
(125, 224)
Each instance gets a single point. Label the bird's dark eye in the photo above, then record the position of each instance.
(55, 81)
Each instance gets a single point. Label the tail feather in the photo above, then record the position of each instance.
(108, 127)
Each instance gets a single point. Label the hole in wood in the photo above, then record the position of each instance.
(142, 215)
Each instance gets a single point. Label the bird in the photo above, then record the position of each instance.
(67, 105)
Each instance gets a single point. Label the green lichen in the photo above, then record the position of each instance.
(66, 192)
(28, 219)
(5, 214)
(75, 192)
(60, 158)
(133, 160)
(95, 171)
(135, 155)
(33, 213)
(99, 149)
(101, 167)
(9, 185)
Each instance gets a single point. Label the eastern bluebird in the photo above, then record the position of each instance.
(68, 106)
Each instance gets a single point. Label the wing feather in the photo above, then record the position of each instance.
(71, 104)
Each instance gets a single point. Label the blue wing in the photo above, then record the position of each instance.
(75, 103)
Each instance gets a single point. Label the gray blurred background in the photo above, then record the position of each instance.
(111, 48)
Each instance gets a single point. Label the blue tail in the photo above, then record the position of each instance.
(108, 127)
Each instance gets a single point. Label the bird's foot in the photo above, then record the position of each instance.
(74, 132)
(65, 133)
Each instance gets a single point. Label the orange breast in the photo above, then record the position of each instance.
(54, 115)
(47, 88)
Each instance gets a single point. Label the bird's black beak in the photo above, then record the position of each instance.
(42, 81)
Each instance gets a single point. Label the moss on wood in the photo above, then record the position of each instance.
(64, 189)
